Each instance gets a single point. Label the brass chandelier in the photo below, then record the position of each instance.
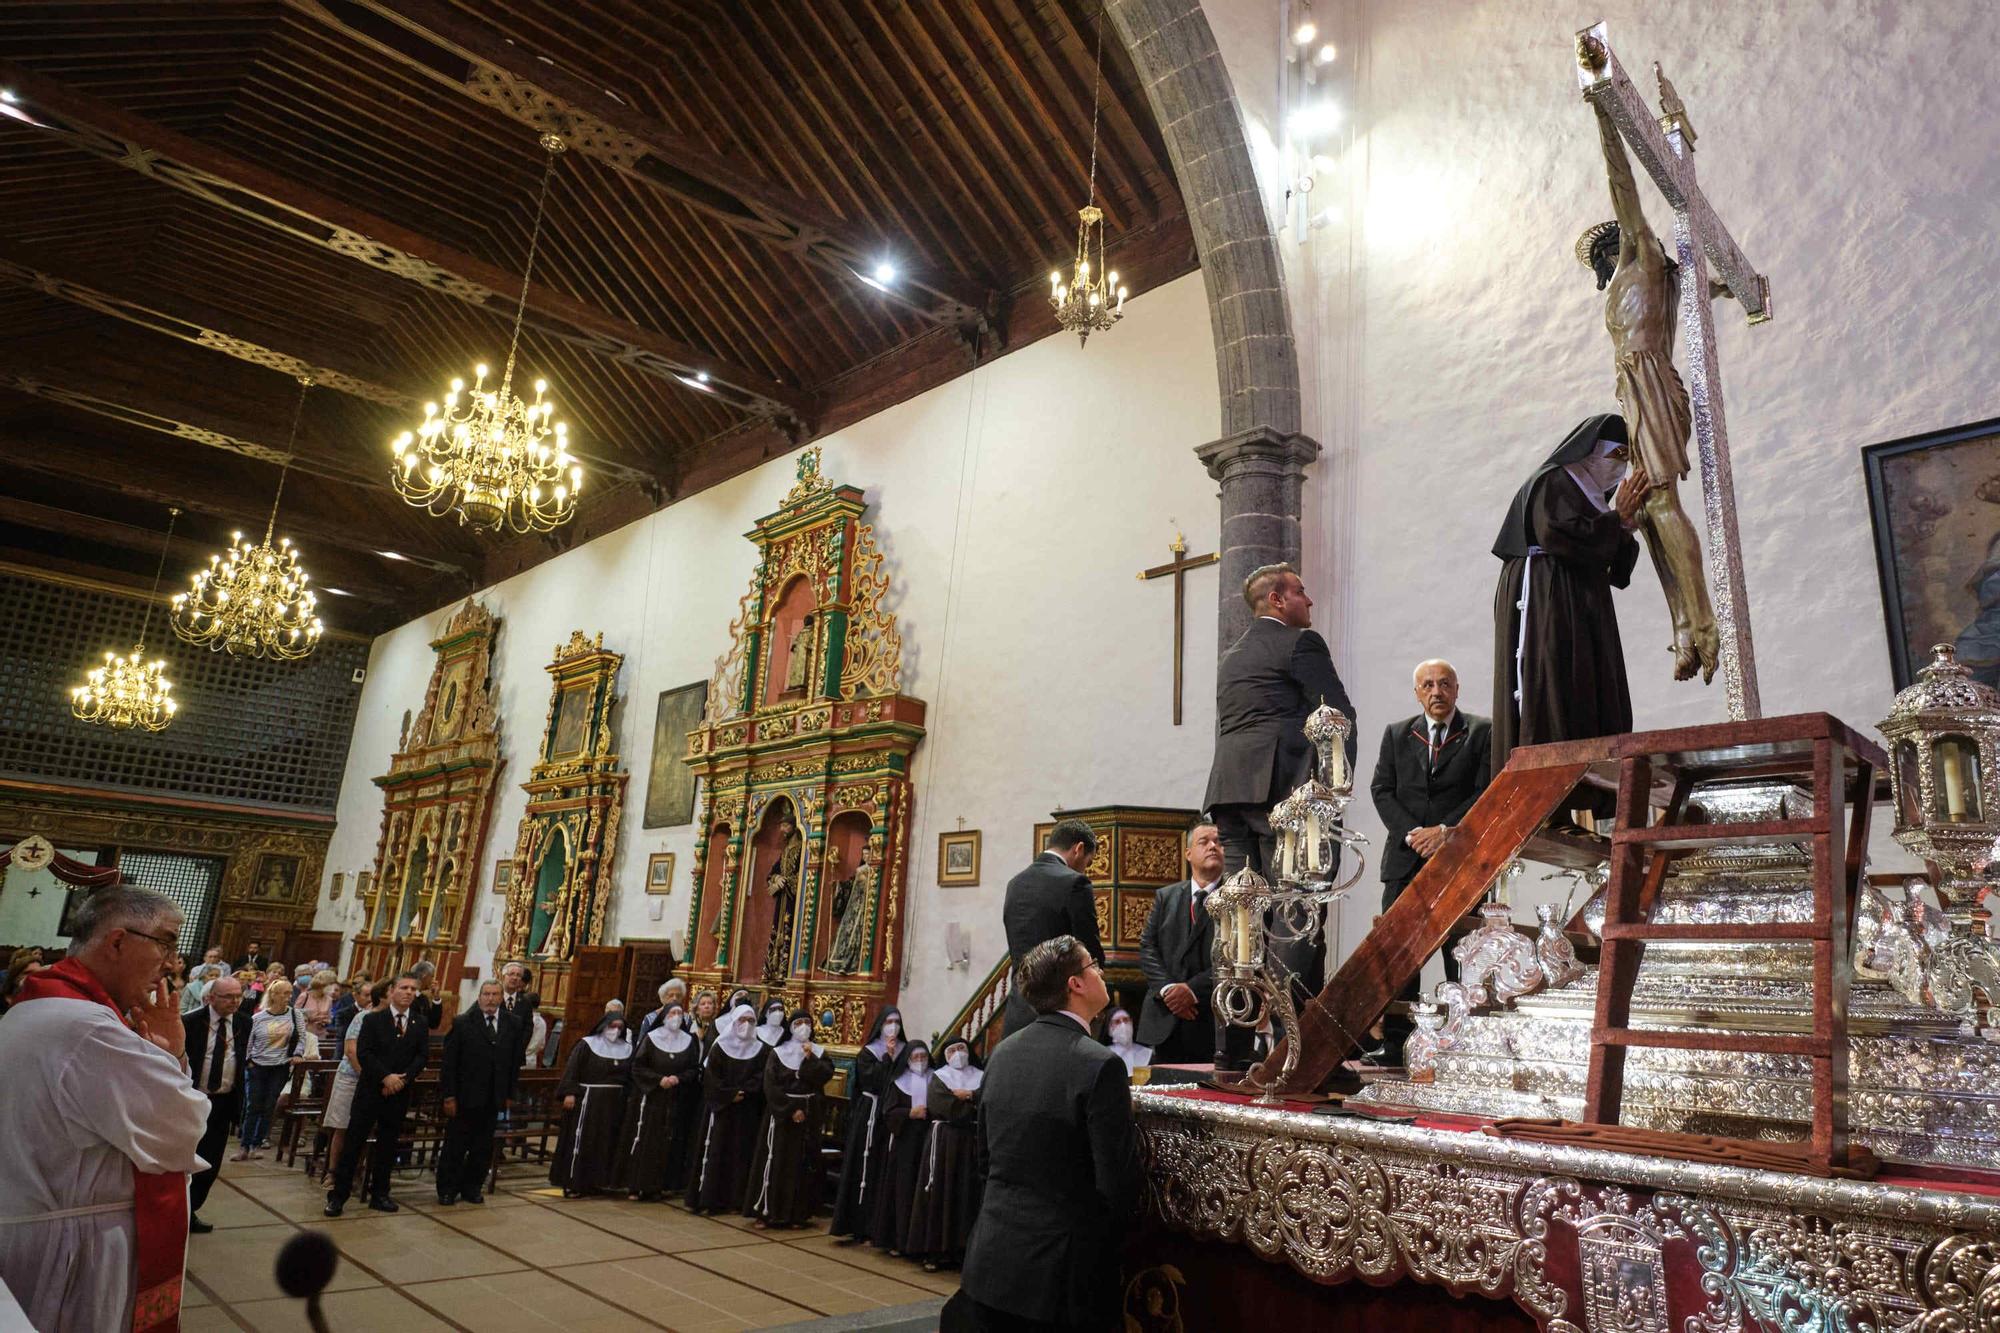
(1091, 301)
(487, 456)
(130, 692)
(253, 601)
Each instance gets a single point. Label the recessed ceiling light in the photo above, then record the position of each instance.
(885, 272)
(7, 96)
(698, 380)
(392, 555)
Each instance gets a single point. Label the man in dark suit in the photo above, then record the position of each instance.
(1266, 685)
(476, 1080)
(254, 959)
(428, 1002)
(391, 1049)
(1176, 952)
(1051, 897)
(1431, 768)
(218, 1038)
(1059, 1156)
(519, 1002)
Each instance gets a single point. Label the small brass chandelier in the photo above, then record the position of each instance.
(130, 692)
(486, 455)
(253, 601)
(1091, 301)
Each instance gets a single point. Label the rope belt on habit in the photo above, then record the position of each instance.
(1521, 640)
(88, 1210)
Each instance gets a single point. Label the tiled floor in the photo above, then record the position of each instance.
(528, 1260)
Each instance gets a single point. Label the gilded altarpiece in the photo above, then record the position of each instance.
(568, 836)
(806, 723)
(436, 799)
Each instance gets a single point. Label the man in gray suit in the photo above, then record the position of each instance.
(1051, 897)
(1177, 954)
(1266, 685)
(1059, 1156)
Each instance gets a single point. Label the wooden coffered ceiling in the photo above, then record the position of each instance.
(203, 199)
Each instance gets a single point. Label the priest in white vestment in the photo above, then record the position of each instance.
(100, 1126)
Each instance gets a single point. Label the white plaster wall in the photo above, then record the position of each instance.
(1015, 506)
(1849, 144)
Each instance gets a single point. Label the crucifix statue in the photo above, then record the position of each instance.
(1178, 568)
(1647, 291)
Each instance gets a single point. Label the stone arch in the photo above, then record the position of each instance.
(1261, 455)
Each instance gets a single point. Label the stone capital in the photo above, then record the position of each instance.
(1259, 449)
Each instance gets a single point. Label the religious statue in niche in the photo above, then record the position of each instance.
(1639, 314)
(782, 883)
(851, 896)
(798, 665)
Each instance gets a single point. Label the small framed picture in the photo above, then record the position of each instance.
(958, 859)
(660, 872)
(503, 876)
(339, 883)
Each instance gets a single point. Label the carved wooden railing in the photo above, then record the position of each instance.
(979, 1020)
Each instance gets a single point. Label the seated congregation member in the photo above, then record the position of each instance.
(947, 1200)
(1120, 1031)
(867, 1134)
(732, 1095)
(786, 1172)
(593, 1088)
(906, 1116)
(660, 1109)
(391, 1049)
(476, 1080)
(340, 1097)
(1061, 1160)
(277, 1042)
(772, 1030)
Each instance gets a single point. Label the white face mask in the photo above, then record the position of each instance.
(1121, 1032)
(672, 1022)
(742, 1027)
(1604, 472)
(773, 1017)
(891, 1029)
(801, 1031)
(919, 1066)
(958, 1059)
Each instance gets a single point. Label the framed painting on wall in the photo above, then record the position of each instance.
(503, 875)
(669, 781)
(339, 883)
(958, 859)
(660, 872)
(572, 715)
(1934, 504)
(276, 880)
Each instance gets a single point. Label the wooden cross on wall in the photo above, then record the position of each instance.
(1178, 568)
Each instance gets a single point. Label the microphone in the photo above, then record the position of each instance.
(305, 1265)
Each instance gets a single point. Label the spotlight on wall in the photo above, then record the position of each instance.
(957, 944)
(1306, 29)
(1326, 54)
(1318, 118)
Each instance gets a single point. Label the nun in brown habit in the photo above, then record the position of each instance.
(593, 1098)
(786, 1172)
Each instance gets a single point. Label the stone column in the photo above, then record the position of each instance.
(1261, 471)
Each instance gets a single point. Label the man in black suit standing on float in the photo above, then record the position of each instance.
(1176, 952)
(1266, 685)
(391, 1049)
(1059, 1157)
(1431, 768)
(218, 1042)
(476, 1080)
(1051, 897)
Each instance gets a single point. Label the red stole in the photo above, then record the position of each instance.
(159, 1201)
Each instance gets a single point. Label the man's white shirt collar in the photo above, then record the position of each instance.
(1083, 1023)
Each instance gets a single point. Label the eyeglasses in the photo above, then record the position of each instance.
(167, 945)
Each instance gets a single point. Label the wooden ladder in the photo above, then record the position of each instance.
(1838, 767)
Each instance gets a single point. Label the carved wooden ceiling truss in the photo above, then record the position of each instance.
(203, 198)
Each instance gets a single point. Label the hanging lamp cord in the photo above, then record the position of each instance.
(146, 622)
(528, 269)
(1096, 87)
(291, 448)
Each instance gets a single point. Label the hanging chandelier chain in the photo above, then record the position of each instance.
(291, 449)
(146, 621)
(555, 148)
(1096, 89)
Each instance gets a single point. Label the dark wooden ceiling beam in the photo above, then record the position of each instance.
(144, 476)
(193, 543)
(463, 53)
(244, 188)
